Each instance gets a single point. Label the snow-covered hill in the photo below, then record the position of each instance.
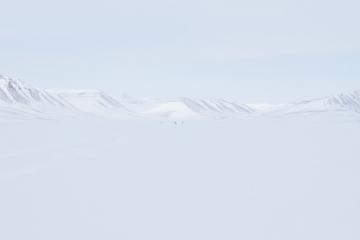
(20, 100)
(181, 108)
(91, 102)
(338, 104)
(13, 91)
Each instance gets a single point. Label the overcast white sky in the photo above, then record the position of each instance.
(258, 50)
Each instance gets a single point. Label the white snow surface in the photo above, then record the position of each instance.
(251, 179)
(80, 164)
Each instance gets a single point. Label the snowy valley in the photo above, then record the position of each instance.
(86, 165)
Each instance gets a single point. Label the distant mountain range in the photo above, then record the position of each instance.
(21, 101)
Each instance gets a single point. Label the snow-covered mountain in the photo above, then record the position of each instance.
(188, 108)
(17, 97)
(20, 100)
(13, 91)
(90, 102)
(338, 104)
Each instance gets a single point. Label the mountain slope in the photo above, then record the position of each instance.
(16, 92)
(350, 101)
(18, 100)
(184, 108)
(90, 102)
(340, 104)
(21, 100)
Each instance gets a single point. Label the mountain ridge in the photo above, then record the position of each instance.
(18, 97)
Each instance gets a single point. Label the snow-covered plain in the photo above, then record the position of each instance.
(83, 165)
(137, 179)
